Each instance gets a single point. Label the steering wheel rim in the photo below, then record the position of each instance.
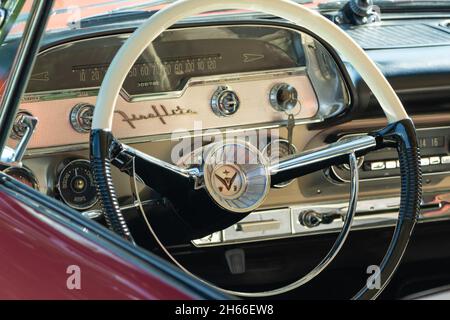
(401, 130)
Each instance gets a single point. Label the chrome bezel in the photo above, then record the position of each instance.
(28, 173)
(217, 101)
(75, 115)
(256, 75)
(273, 97)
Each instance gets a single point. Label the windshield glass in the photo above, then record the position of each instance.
(67, 14)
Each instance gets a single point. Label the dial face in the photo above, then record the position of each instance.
(277, 150)
(23, 175)
(76, 185)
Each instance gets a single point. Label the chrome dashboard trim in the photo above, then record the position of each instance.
(372, 213)
(166, 137)
(93, 91)
(216, 79)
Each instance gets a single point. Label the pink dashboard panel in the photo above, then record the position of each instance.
(188, 112)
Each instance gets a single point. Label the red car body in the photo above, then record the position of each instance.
(36, 252)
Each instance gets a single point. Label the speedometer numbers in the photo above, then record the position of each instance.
(76, 185)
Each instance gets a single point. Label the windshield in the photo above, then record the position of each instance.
(68, 13)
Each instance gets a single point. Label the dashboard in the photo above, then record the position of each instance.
(190, 81)
(242, 78)
(173, 83)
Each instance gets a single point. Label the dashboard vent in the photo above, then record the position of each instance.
(399, 36)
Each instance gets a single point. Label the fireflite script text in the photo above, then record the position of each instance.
(158, 112)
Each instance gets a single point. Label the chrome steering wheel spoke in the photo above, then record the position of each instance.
(296, 165)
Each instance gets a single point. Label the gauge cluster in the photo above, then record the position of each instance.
(226, 77)
(171, 61)
(276, 150)
(69, 180)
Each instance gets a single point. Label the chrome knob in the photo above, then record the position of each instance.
(224, 102)
(19, 128)
(81, 117)
(310, 218)
(283, 97)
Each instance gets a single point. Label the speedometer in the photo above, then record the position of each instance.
(171, 60)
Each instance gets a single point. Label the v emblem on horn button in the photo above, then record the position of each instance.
(226, 181)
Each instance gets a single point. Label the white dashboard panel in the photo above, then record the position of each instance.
(188, 112)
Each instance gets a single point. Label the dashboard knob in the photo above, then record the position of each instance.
(310, 218)
(18, 130)
(81, 117)
(224, 102)
(283, 97)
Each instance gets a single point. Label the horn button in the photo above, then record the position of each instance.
(236, 176)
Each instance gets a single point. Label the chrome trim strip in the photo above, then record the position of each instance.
(166, 137)
(216, 79)
(368, 218)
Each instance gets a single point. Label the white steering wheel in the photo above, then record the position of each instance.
(400, 133)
